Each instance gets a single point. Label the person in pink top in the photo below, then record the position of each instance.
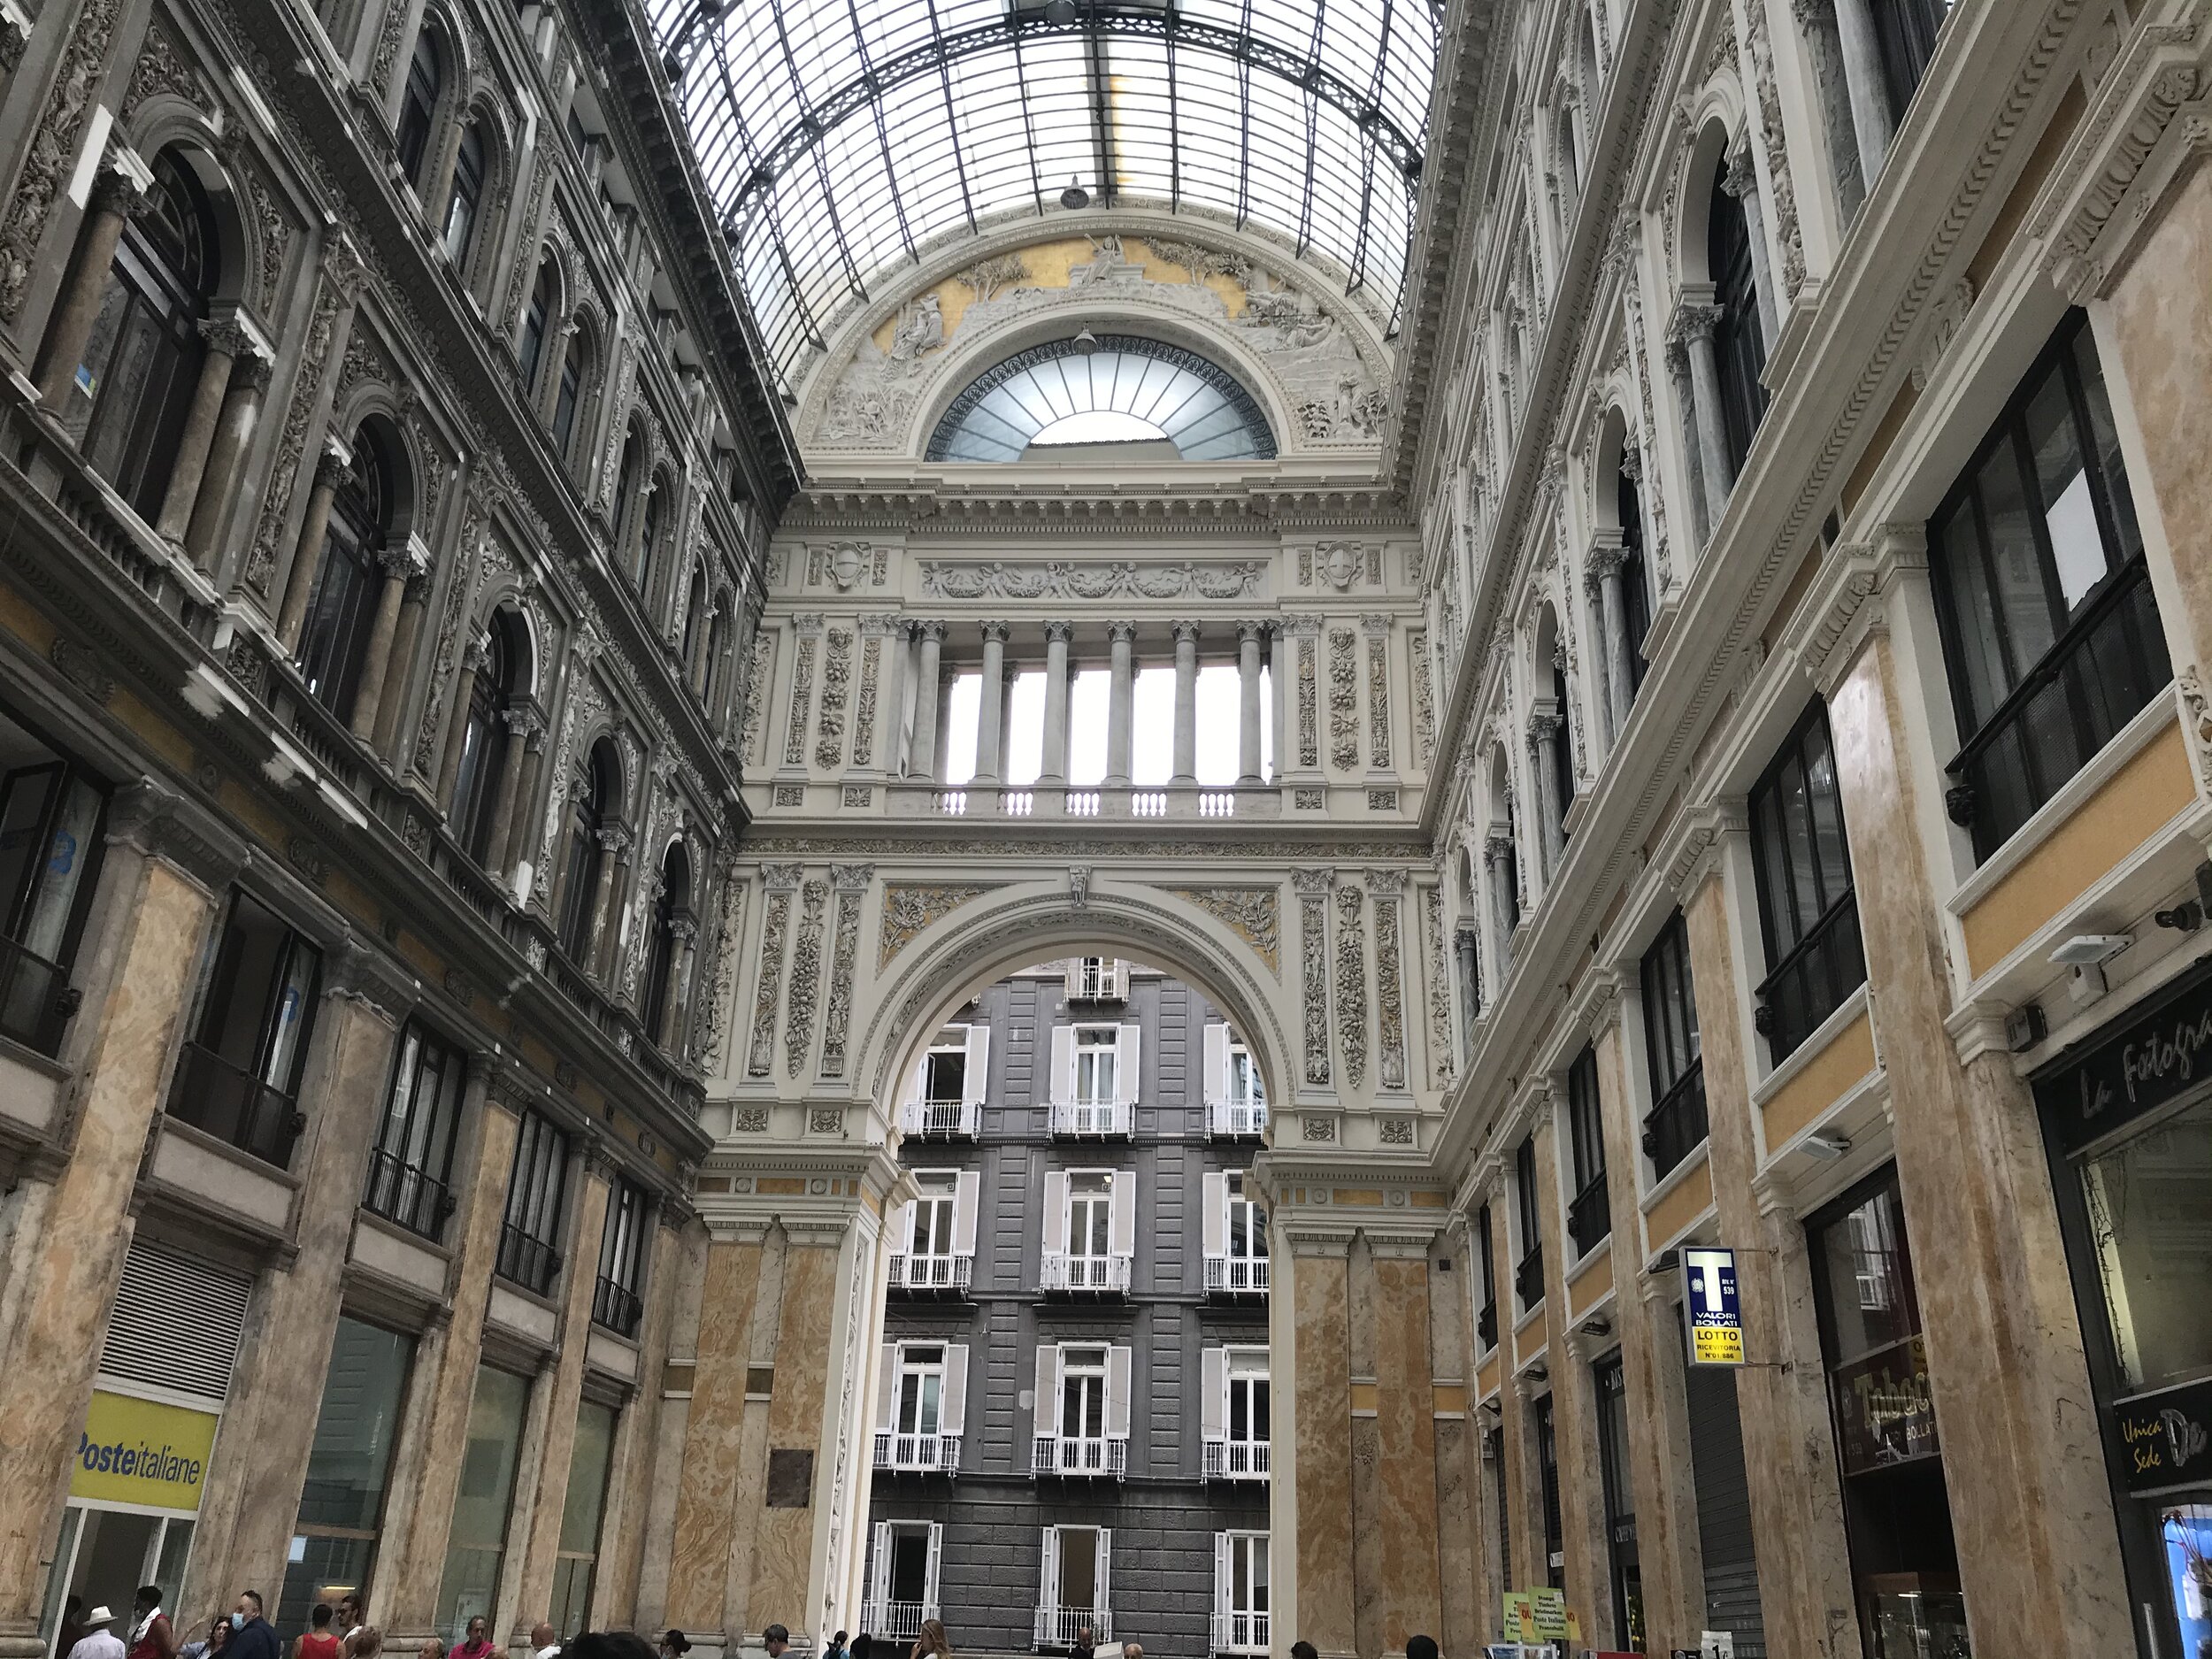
(476, 1645)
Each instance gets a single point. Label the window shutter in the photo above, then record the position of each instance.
(1214, 1195)
(1101, 1597)
(929, 1581)
(902, 1241)
(1121, 1231)
(1217, 1080)
(918, 1086)
(965, 1204)
(879, 1576)
(1213, 1404)
(1060, 1086)
(1056, 1212)
(1126, 1069)
(888, 1389)
(177, 1322)
(1049, 1569)
(1047, 1415)
(1117, 1393)
(953, 1412)
(1225, 1593)
(977, 1073)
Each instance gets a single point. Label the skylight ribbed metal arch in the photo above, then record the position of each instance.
(842, 138)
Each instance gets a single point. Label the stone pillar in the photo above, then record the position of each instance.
(1279, 671)
(683, 933)
(166, 862)
(1469, 983)
(1868, 88)
(399, 564)
(1055, 767)
(1543, 754)
(1603, 573)
(226, 340)
(514, 868)
(247, 383)
(1120, 701)
(1320, 1518)
(632, 1513)
(607, 902)
(1573, 1416)
(1185, 703)
(1741, 181)
(474, 660)
(253, 1497)
(524, 727)
(1498, 862)
(307, 554)
(1249, 635)
(1404, 1527)
(119, 193)
(990, 720)
(1693, 332)
(392, 706)
(426, 1473)
(927, 680)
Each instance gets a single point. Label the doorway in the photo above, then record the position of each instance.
(106, 1552)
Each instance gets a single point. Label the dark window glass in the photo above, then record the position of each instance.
(1738, 338)
(1807, 909)
(411, 1168)
(342, 1502)
(1487, 1321)
(696, 602)
(418, 108)
(342, 613)
(616, 1303)
(1676, 1123)
(587, 822)
(132, 389)
(572, 391)
(1590, 1216)
(648, 536)
(2049, 624)
(484, 743)
(238, 1079)
(671, 913)
(1635, 578)
(1620, 1505)
(1528, 1273)
(530, 1237)
(468, 193)
(626, 483)
(579, 139)
(1548, 1472)
(51, 839)
(1906, 32)
(535, 322)
(1563, 748)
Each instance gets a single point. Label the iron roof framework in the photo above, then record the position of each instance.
(840, 139)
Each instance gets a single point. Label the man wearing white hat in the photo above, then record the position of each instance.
(99, 1642)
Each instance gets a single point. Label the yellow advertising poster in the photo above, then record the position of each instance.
(1552, 1621)
(140, 1451)
(1717, 1344)
(1520, 1617)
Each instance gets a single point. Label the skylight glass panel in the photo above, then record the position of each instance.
(1168, 392)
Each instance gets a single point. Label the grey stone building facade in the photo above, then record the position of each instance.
(1080, 1289)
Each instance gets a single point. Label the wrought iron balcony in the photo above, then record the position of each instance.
(36, 999)
(1085, 1456)
(1085, 1275)
(1590, 1217)
(402, 1193)
(1677, 1123)
(213, 1094)
(1528, 1278)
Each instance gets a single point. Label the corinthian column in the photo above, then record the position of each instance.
(226, 340)
(927, 680)
(307, 553)
(1856, 34)
(1603, 574)
(1249, 635)
(119, 193)
(1054, 767)
(401, 564)
(1185, 703)
(990, 721)
(1692, 333)
(1120, 698)
(247, 382)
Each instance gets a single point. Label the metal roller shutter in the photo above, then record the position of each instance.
(177, 1322)
(1724, 1511)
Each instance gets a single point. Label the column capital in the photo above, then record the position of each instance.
(1542, 727)
(228, 335)
(1059, 633)
(995, 633)
(1186, 631)
(1603, 561)
(1694, 319)
(1313, 884)
(1496, 846)
(1742, 178)
(524, 721)
(333, 465)
(1254, 632)
(934, 631)
(1632, 460)
(476, 656)
(249, 371)
(121, 186)
(1121, 632)
(1464, 939)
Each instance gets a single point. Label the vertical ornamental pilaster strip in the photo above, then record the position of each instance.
(851, 883)
(1377, 629)
(1384, 887)
(337, 286)
(810, 629)
(806, 976)
(871, 629)
(1313, 946)
(759, 661)
(1423, 697)
(837, 674)
(1351, 983)
(781, 881)
(712, 1034)
(1441, 1069)
(1343, 699)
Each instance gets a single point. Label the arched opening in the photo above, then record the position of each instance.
(466, 196)
(695, 604)
(1738, 343)
(342, 613)
(536, 322)
(418, 108)
(652, 514)
(595, 803)
(1628, 503)
(128, 402)
(485, 737)
(575, 365)
(671, 911)
(628, 474)
(717, 672)
(1106, 396)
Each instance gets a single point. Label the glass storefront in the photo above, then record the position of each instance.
(582, 1509)
(2128, 1121)
(482, 1506)
(342, 1504)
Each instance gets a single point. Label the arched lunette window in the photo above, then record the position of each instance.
(1738, 343)
(571, 394)
(132, 388)
(467, 195)
(418, 108)
(597, 800)
(485, 738)
(673, 906)
(535, 323)
(334, 642)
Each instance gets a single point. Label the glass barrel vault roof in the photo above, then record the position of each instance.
(839, 138)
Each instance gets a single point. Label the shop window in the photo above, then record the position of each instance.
(2050, 627)
(483, 1502)
(1620, 1505)
(1738, 340)
(1528, 1273)
(348, 1468)
(530, 1236)
(616, 1302)
(418, 108)
(1897, 1514)
(342, 613)
(1808, 911)
(51, 828)
(1590, 1214)
(1675, 1126)
(583, 1510)
(126, 403)
(410, 1167)
(1547, 1477)
(238, 1077)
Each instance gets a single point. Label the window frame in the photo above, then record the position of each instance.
(1739, 347)
(1486, 1311)
(1589, 1212)
(536, 1208)
(618, 1290)
(61, 1002)
(271, 1119)
(1669, 996)
(1528, 1196)
(1829, 942)
(419, 1045)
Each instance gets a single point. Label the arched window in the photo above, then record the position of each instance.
(718, 649)
(133, 386)
(649, 535)
(468, 192)
(694, 604)
(1738, 344)
(1569, 166)
(571, 394)
(485, 738)
(1106, 396)
(598, 797)
(535, 322)
(340, 616)
(626, 483)
(673, 905)
(1635, 577)
(418, 108)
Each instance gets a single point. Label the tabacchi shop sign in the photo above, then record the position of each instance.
(141, 1451)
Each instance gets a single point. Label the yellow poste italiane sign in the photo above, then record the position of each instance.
(141, 1451)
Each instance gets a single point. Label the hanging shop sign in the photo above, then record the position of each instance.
(2154, 1057)
(141, 1451)
(1884, 1410)
(1713, 1306)
(2165, 1437)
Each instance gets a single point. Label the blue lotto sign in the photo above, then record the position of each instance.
(1715, 1310)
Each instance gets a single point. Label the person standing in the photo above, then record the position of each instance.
(250, 1636)
(152, 1635)
(213, 1645)
(675, 1645)
(353, 1613)
(836, 1648)
(544, 1644)
(99, 1641)
(475, 1643)
(932, 1643)
(775, 1639)
(317, 1642)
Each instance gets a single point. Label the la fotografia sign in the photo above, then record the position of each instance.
(141, 1451)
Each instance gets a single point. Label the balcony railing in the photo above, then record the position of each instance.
(1528, 1278)
(36, 999)
(1099, 1456)
(1231, 1120)
(1086, 1275)
(940, 1120)
(1106, 1120)
(1677, 1123)
(924, 1454)
(1062, 1626)
(932, 1275)
(1237, 1460)
(399, 1192)
(987, 801)
(1241, 1632)
(1486, 1325)
(1810, 983)
(1236, 1275)
(616, 1307)
(213, 1094)
(530, 1263)
(902, 1620)
(1590, 1217)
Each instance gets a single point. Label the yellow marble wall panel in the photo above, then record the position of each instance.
(1449, 1399)
(1366, 1196)
(1823, 1081)
(2134, 804)
(1588, 1284)
(1428, 1198)
(784, 1547)
(1320, 1289)
(700, 1550)
(1486, 1378)
(1685, 1200)
(1406, 1424)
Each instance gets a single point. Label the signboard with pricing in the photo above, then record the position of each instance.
(1712, 1305)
